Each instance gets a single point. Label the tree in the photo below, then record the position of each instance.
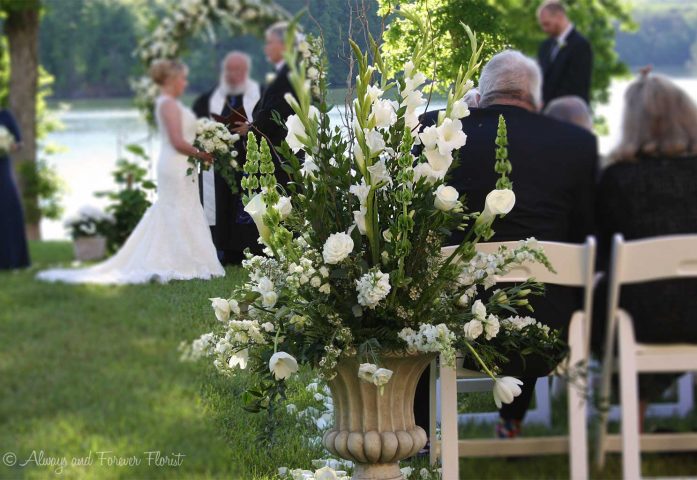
(21, 27)
(503, 24)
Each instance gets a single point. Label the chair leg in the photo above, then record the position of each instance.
(433, 405)
(448, 422)
(578, 441)
(629, 396)
(604, 398)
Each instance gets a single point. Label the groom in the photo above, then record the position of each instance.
(235, 91)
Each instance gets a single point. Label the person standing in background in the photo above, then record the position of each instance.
(13, 241)
(236, 91)
(566, 57)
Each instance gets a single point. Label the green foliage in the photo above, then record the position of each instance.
(41, 181)
(130, 200)
(503, 24)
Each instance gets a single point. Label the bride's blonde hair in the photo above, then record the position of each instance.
(660, 119)
(163, 70)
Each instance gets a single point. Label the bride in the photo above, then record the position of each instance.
(172, 240)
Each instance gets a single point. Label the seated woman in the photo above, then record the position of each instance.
(13, 243)
(649, 189)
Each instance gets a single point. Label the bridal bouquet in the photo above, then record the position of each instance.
(7, 140)
(215, 138)
(353, 264)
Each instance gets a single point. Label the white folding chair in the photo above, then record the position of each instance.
(574, 265)
(639, 261)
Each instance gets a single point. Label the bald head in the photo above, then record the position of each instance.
(570, 109)
(235, 69)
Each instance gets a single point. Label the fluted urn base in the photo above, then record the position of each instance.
(376, 430)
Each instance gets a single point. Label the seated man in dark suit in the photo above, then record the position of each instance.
(554, 168)
(565, 57)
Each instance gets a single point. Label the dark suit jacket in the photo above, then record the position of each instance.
(570, 72)
(554, 169)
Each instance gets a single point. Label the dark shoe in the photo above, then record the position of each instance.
(508, 428)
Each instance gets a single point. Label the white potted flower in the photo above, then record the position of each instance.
(353, 283)
(87, 228)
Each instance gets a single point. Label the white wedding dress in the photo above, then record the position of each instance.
(172, 241)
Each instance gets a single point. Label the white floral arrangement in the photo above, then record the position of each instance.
(89, 221)
(189, 18)
(7, 140)
(352, 265)
(214, 138)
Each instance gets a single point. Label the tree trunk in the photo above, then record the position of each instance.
(22, 30)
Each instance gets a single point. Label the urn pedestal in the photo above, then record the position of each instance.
(89, 248)
(376, 430)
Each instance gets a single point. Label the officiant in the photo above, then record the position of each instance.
(235, 91)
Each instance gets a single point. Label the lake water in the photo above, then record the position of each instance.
(94, 138)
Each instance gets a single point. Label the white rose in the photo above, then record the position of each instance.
(381, 377)
(366, 371)
(256, 208)
(316, 282)
(473, 329)
(282, 365)
(325, 473)
(269, 299)
(446, 198)
(221, 308)
(491, 327)
(479, 310)
(239, 359)
(337, 247)
(268, 327)
(498, 202)
(505, 390)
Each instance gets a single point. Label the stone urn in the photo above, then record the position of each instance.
(372, 429)
(89, 248)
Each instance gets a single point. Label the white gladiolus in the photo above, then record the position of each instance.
(282, 365)
(378, 173)
(221, 307)
(337, 247)
(239, 359)
(366, 371)
(429, 137)
(309, 167)
(446, 198)
(256, 208)
(450, 136)
(374, 93)
(384, 113)
(473, 329)
(438, 161)
(424, 170)
(358, 153)
(505, 390)
(361, 191)
(284, 207)
(359, 220)
(460, 110)
(374, 141)
(296, 130)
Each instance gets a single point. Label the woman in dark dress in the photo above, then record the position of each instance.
(650, 189)
(13, 243)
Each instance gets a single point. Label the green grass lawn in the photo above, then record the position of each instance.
(89, 369)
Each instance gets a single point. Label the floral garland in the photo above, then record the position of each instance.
(189, 18)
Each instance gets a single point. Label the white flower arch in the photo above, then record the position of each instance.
(189, 18)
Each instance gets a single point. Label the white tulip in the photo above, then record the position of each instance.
(505, 390)
(337, 247)
(498, 202)
(221, 307)
(256, 208)
(479, 310)
(239, 359)
(282, 365)
(366, 371)
(446, 198)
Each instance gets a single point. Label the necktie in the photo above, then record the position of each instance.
(231, 103)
